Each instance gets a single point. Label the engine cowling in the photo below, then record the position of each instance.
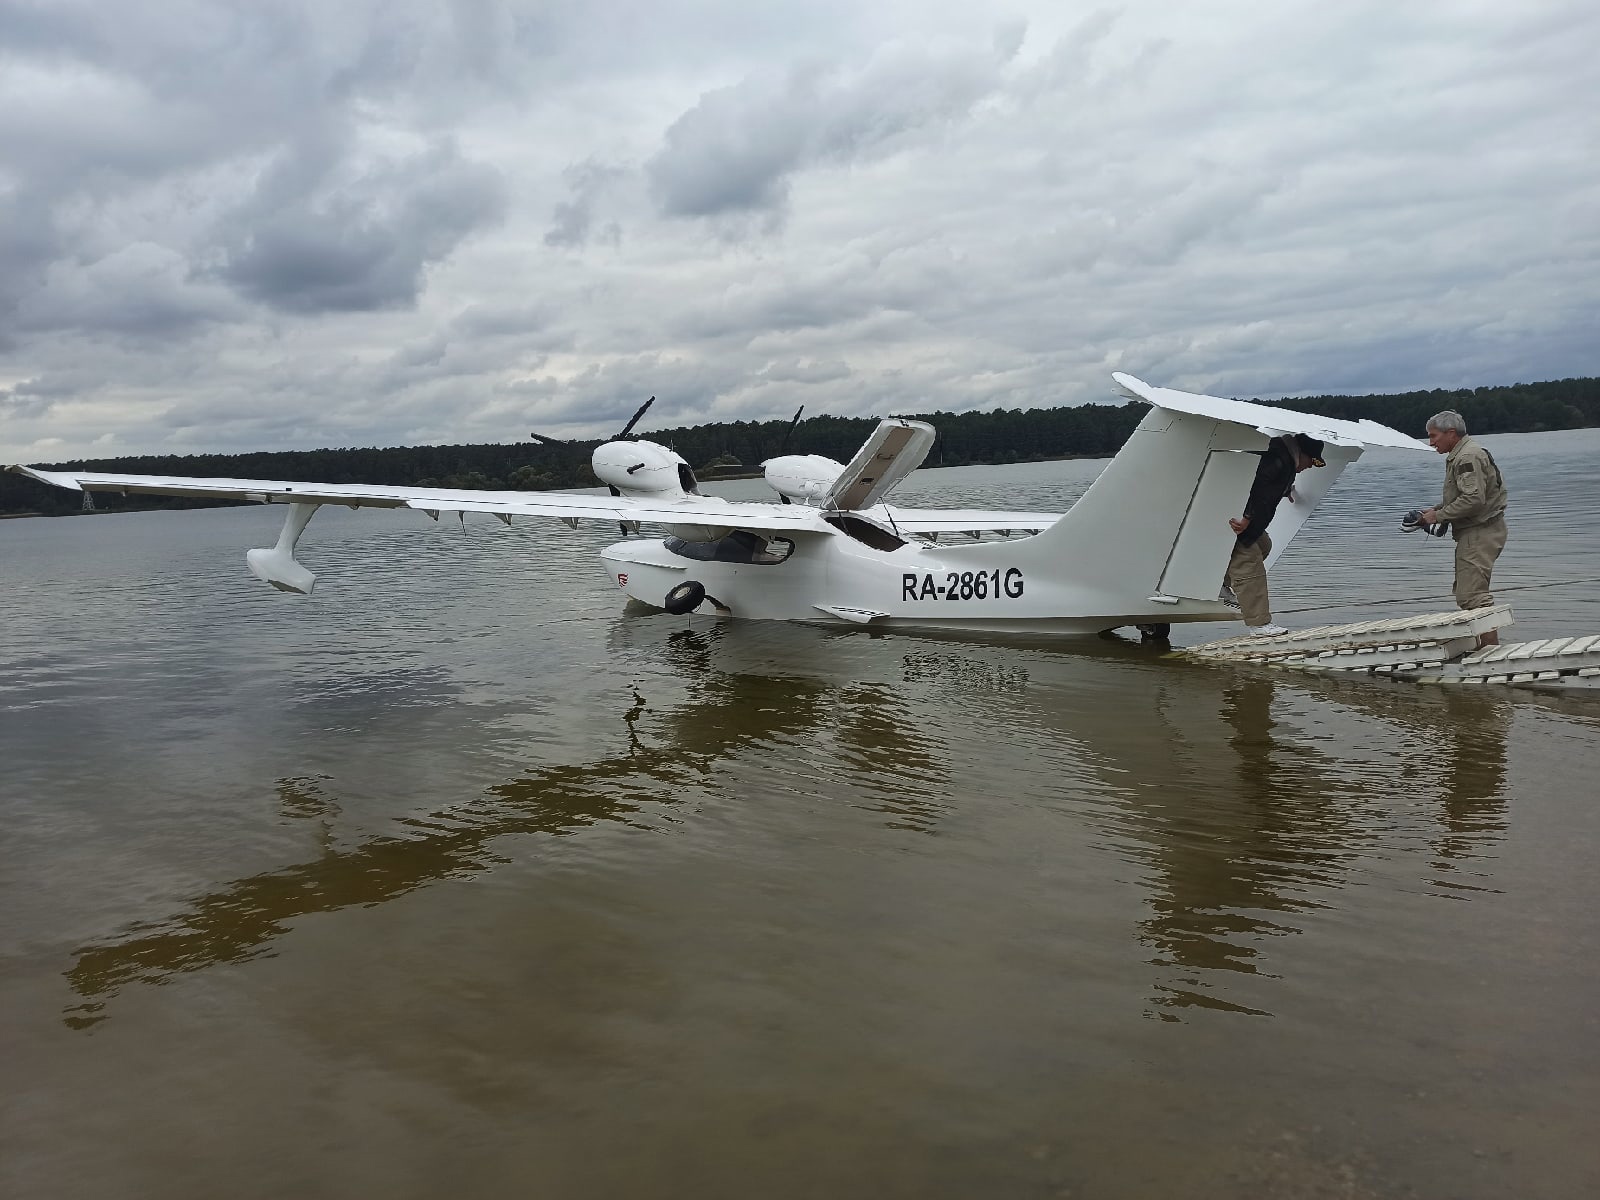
(803, 478)
(644, 469)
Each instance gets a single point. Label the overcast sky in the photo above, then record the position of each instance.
(233, 225)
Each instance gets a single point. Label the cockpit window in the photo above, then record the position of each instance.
(740, 546)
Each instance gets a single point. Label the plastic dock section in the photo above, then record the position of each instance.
(1431, 648)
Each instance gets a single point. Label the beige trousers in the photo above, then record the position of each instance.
(1247, 576)
(1477, 547)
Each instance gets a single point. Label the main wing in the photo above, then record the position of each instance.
(568, 506)
(695, 515)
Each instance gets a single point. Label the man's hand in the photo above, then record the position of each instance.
(1238, 524)
(1430, 515)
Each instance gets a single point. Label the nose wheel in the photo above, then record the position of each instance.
(685, 598)
(688, 596)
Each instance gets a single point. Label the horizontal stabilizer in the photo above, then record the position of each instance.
(1269, 420)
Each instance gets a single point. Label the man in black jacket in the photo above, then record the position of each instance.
(1282, 460)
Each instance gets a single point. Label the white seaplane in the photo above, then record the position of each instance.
(1147, 545)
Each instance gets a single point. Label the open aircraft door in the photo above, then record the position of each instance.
(1199, 558)
(895, 449)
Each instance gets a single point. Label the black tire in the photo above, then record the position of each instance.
(1155, 631)
(684, 598)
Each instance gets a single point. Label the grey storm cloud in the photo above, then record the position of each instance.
(162, 115)
(574, 218)
(234, 225)
(304, 243)
(737, 148)
(17, 402)
(139, 291)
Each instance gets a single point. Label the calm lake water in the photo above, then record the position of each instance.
(458, 879)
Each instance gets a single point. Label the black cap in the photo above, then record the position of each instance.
(1310, 447)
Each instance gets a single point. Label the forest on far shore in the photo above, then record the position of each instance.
(994, 436)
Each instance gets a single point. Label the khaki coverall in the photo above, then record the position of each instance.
(1475, 505)
(1247, 576)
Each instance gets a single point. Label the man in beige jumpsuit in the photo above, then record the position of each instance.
(1284, 458)
(1475, 506)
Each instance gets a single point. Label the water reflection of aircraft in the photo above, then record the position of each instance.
(1249, 795)
(1146, 545)
(1243, 796)
(1455, 757)
(1270, 797)
(726, 714)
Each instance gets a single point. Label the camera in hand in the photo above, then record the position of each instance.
(1413, 520)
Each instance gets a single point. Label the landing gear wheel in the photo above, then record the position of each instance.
(1156, 631)
(684, 598)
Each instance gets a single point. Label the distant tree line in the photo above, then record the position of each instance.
(996, 436)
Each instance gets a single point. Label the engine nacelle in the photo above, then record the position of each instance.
(644, 468)
(804, 478)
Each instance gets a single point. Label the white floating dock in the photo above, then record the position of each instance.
(1432, 648)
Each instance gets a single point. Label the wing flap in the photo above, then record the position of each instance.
(963, 520)
(693, 510)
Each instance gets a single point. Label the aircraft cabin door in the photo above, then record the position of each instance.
(1199, 557)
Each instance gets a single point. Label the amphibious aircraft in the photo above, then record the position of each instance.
(1147, 545)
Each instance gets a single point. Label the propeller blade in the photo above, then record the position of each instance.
(634, 420)
(783, 446)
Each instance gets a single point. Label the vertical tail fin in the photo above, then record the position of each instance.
(1154, 525)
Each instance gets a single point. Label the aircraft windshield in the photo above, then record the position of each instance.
(740, 546)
